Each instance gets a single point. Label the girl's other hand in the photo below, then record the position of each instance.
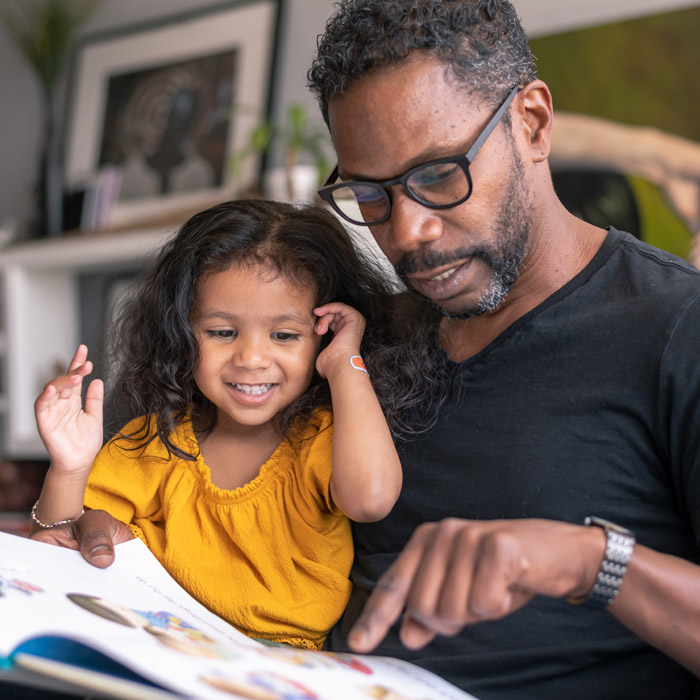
(347, 326)
(72, 436)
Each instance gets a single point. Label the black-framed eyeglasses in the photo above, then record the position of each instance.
(437, 184)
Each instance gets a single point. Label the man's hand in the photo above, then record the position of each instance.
(94, 535)
(458, 572)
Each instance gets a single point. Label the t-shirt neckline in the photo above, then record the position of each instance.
(602, 255)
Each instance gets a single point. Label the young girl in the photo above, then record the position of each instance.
(248, 330)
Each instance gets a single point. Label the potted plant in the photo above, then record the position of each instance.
(299, 141)
(44, 31)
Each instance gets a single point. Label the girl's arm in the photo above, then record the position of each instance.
(72, 437)
(366, 478)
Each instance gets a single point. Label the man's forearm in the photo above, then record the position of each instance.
(660, 602)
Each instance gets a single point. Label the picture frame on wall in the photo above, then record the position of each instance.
(164, 106)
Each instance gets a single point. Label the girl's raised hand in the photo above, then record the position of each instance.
(348, 327)
(72, 436)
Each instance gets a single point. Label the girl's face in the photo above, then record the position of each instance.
(256, 341)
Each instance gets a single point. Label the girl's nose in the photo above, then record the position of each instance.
(252, 353)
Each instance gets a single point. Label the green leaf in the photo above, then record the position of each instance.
(44, 31)
(296, 136)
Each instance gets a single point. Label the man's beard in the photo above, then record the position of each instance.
(505, 256)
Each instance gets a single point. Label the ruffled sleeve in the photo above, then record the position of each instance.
(125, 481)
(314, 465)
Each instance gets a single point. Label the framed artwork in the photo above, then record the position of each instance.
(162, 107)
(626, 140)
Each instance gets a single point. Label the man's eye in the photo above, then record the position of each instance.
(434, 175)
(227, 334)
(285, 337)
(368, 194)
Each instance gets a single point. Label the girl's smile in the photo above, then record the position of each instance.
(253, 394)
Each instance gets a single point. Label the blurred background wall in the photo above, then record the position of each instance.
(303, 20)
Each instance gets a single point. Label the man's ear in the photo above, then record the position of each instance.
(534, 107)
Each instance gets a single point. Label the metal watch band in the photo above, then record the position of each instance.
(618, 552)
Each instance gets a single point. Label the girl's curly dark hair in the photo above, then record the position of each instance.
(156, 351)
(482, 42)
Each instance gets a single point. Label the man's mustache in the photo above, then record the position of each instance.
(412, 263)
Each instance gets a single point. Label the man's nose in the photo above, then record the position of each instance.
(411, 224)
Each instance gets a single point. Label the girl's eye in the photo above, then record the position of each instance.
(284, 337)
(227, 334)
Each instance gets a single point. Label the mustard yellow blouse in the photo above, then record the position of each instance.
(271, 557)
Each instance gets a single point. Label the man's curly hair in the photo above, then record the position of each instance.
(482, 42)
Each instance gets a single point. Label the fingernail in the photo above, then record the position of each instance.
(101, 550)
(357, 637)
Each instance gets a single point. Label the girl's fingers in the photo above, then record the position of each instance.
(66, 380)
(331, 307)
(67, 385)
(57, 389)
(46, 397)
(337, 312)
(79, 365)
(324, 323)
(81, 370)
(84, 369)
(321, 327)
(336, 309)
(94, 398)
(79, 357)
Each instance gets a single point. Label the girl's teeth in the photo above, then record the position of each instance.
(255, 389)
(444, 275)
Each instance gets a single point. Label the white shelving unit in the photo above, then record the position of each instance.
(39, 317)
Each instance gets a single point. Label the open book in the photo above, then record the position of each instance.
(130, 631)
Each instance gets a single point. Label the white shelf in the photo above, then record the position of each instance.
(102, 250)
(41, 317)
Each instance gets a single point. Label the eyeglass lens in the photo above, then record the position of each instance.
(439, 184)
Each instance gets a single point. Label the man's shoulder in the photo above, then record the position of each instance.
(645, 254)
(640, 268)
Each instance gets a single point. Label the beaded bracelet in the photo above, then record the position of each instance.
(36, 520)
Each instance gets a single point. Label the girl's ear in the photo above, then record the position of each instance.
(535, 112)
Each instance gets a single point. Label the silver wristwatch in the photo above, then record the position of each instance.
(618, 552)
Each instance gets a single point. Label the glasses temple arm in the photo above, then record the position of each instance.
(486, 131)
(332, 177)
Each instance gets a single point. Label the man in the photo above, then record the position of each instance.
(575, 363)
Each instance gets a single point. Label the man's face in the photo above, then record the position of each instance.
(465, 259)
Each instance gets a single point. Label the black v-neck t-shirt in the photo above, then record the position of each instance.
(587, 405)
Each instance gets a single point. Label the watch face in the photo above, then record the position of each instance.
(607, 525)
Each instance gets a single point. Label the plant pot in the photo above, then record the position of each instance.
(49, 188)
(299, 186)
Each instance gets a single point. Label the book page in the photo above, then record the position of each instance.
(134, 613)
